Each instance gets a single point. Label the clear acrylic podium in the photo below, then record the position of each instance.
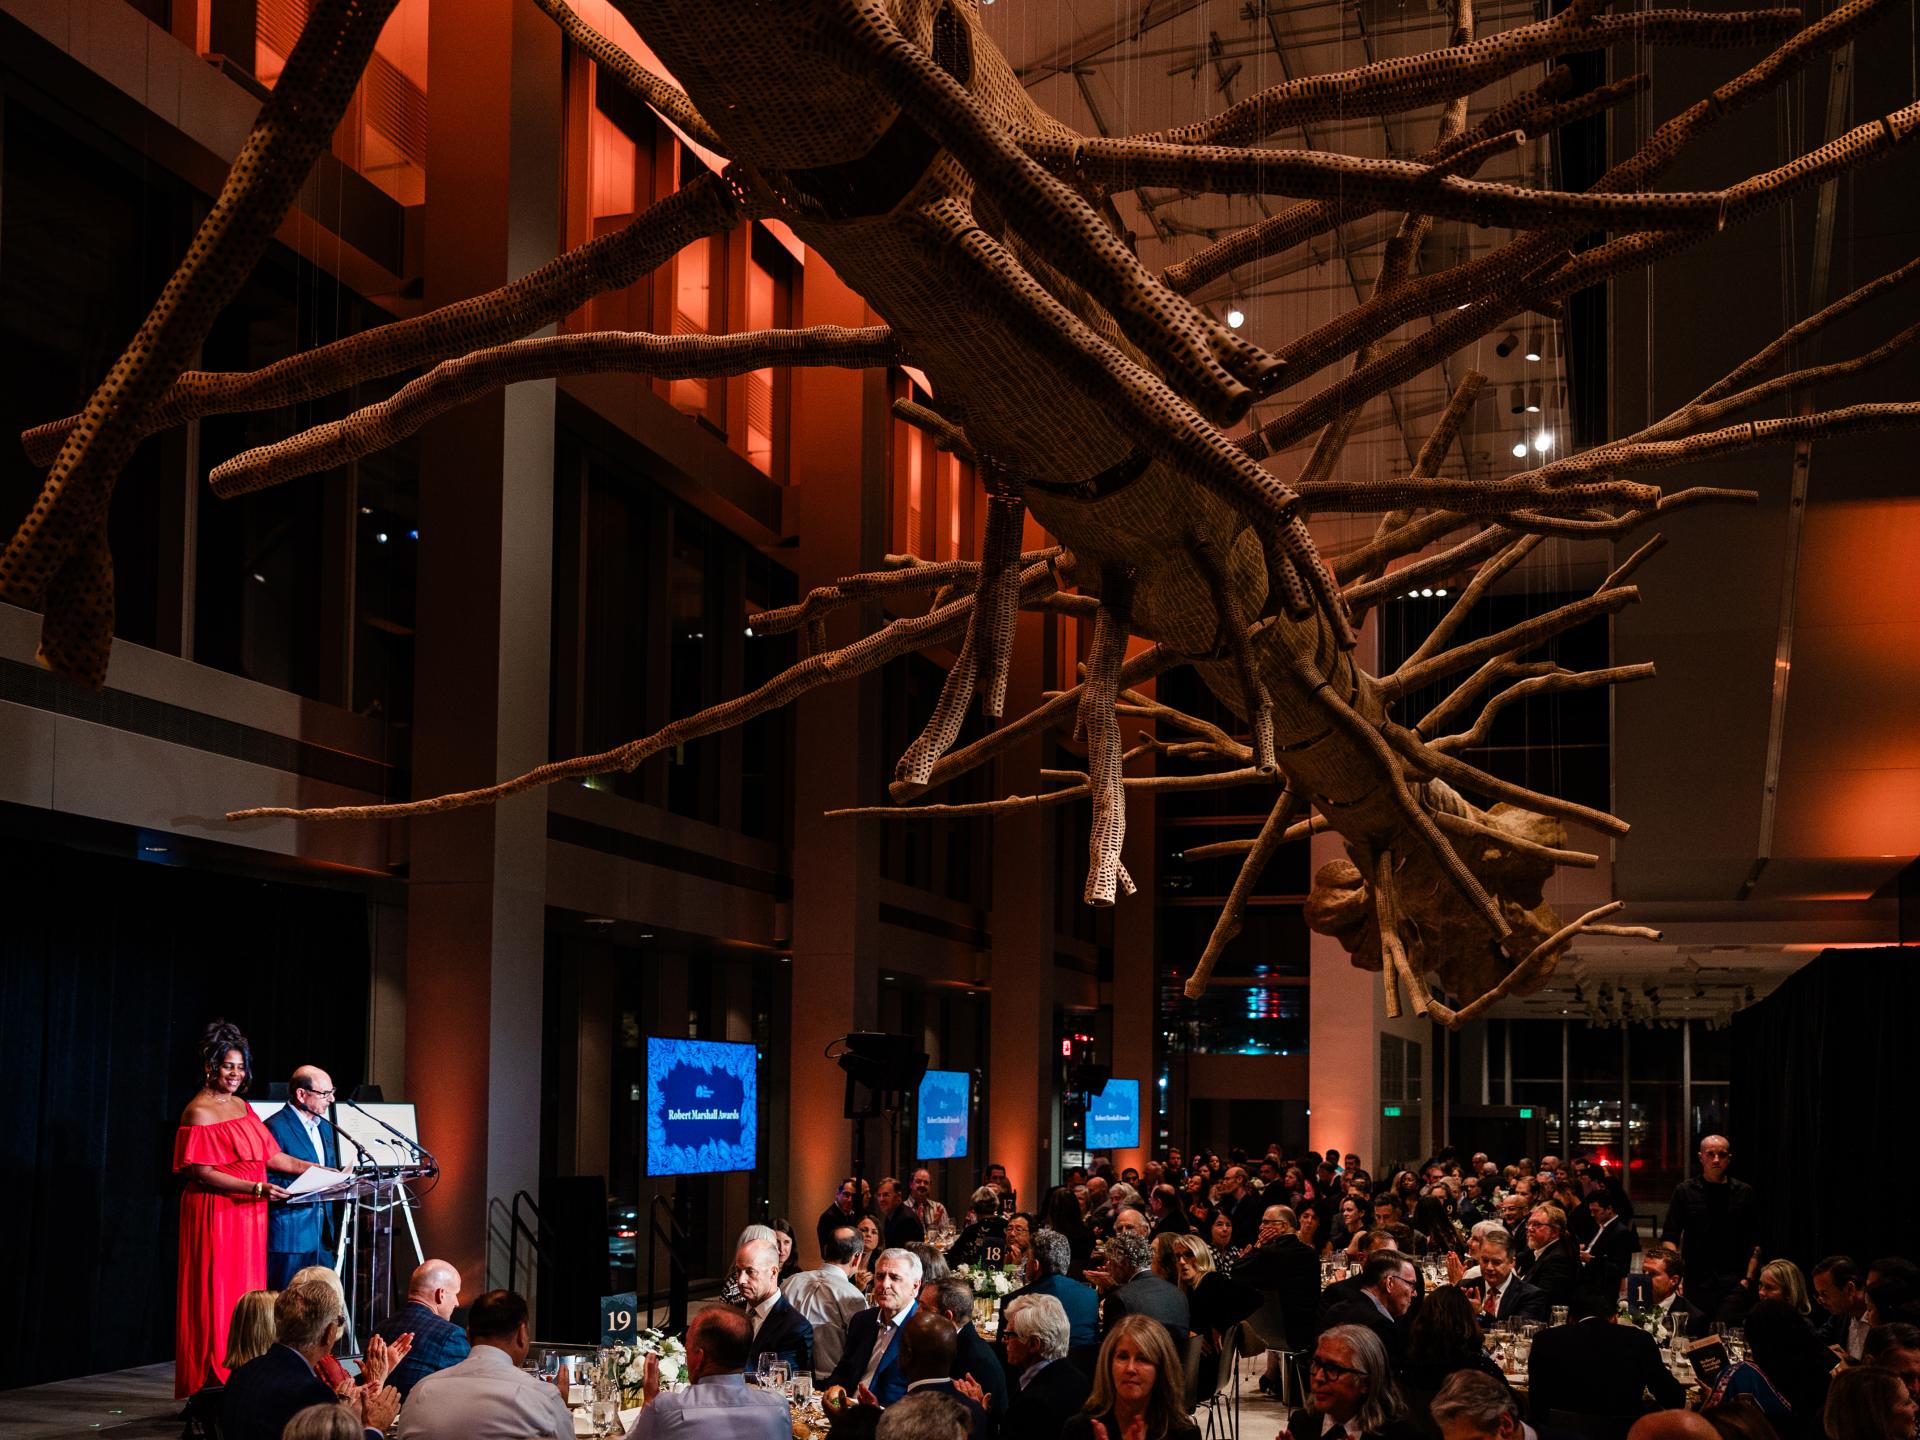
(364, 1253)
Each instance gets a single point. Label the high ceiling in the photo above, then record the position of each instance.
(1772, 771)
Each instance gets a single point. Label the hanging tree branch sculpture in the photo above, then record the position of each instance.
(895, 140)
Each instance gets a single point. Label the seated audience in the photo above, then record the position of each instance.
(1139, 1387)
(1781, 1280)
(1895, 1348)
(827, 1298)
(268, 1391)
(1131, 1288)
(926, 1360)
(718, 1402)
(1667, 1275)
(843, 1211)
(249, 1336)
(1500, 1294)
(1047, 1390)
(871, 1361)
(432, 1294)
(1020, 1228)
(1551, 1263)
(1064, 1218)
(987, 1225)
(1048, 1269)
(868, 1229)
(1351, 1392)
(775, 1328)
(1842, 1292)
(487, 1396)
(1610, 1249)
(973, 1358)
(330, 1370)
(899, 1226)
(324, 1422)
(924, 1415)
(1473, 1405)
(1215, 1304)
(1785, 1370)
(1594, 1367)
(1735, 1419)
(1868, 1404)
(1444, 1338)
(1384, 1295)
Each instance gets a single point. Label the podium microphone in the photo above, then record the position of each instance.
(424, 1153)
(351, 1141)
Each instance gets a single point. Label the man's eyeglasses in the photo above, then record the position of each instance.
(1404, 1280)
(311, 1091)
(1331, 1368)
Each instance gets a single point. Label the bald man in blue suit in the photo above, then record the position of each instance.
(302, 1235)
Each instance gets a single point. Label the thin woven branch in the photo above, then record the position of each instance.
(1540, 685)
(702, 207)
(64, 535)
(1535, 630)
(1458, 773)
(1080, 790)
(633, 77)
(456, 382)
(1379, 184)
(946, 435)
(1101, 724)
(1218, 849)
(1387, 87)
(1540, 959)
(1493, 834)
(1483, 580)
(919, 575)
(999, 610)
(902, 637)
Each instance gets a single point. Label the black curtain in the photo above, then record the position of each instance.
(1819, 1071)
(109, 971)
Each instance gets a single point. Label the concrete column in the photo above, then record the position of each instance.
(838, 501)
(1020, 1099)
(475, 932)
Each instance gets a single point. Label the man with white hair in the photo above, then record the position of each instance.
(775, 1327)
(1475, 1406)
(1129, 1221)
(870, 1362)
(1476, 1240)
(1047, 1390)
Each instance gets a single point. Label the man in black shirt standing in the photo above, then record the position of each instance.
(1713, 1219)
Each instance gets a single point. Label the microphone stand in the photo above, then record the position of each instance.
(426, 1155)
(351, 1221)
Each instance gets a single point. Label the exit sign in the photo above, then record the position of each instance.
(1392, 1112)
(1526, 1112)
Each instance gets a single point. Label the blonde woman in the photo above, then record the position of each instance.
(1215, 1302)
(250, 1332)
(1139, 1387)
(1782, 1280)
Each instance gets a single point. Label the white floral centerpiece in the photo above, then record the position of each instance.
(994, 1283)
(630, 1364)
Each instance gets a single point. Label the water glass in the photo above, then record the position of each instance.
(778, 1373)
(606, 1416)
(802, 1388)
(763, 1371)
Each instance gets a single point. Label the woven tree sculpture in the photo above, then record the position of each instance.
(893, 137)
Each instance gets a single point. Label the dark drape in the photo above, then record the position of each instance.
(1821, 1072)
(109, 971)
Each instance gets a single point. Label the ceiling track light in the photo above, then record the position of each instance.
(1517, 399)
(1509, 342)
(1533, 398)
(1236, 317)
(1534, 350)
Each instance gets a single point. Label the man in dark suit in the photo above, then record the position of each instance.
(871, 1359)
(777, 1328)
(1052, 1258)
(1386, 1294)
(899, 1226)
(1556, 1265)
(841, 1212)
(1611, 1249)
(432, 1294)
(1350, 1392)
(1667, 1273)
(1133, 1289)
(1287, 1273)
(302, 1235)
(973, 1358)
(1239, 1201)
(1511, 1297)
(1048, 1390)
(266, 1392)
(926, 1359)
(1594, 1367)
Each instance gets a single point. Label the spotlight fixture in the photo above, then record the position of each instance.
(1236, 317)
(1543, 442)
(1519, 449)
(1533, 400)
(1534, 347)
(1509, 342)
(1517, 399)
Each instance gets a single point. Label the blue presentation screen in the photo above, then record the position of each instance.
(946, 1100)
(1113, 1117)
(702, 1107)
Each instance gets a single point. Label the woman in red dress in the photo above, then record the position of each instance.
(225, 1152)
